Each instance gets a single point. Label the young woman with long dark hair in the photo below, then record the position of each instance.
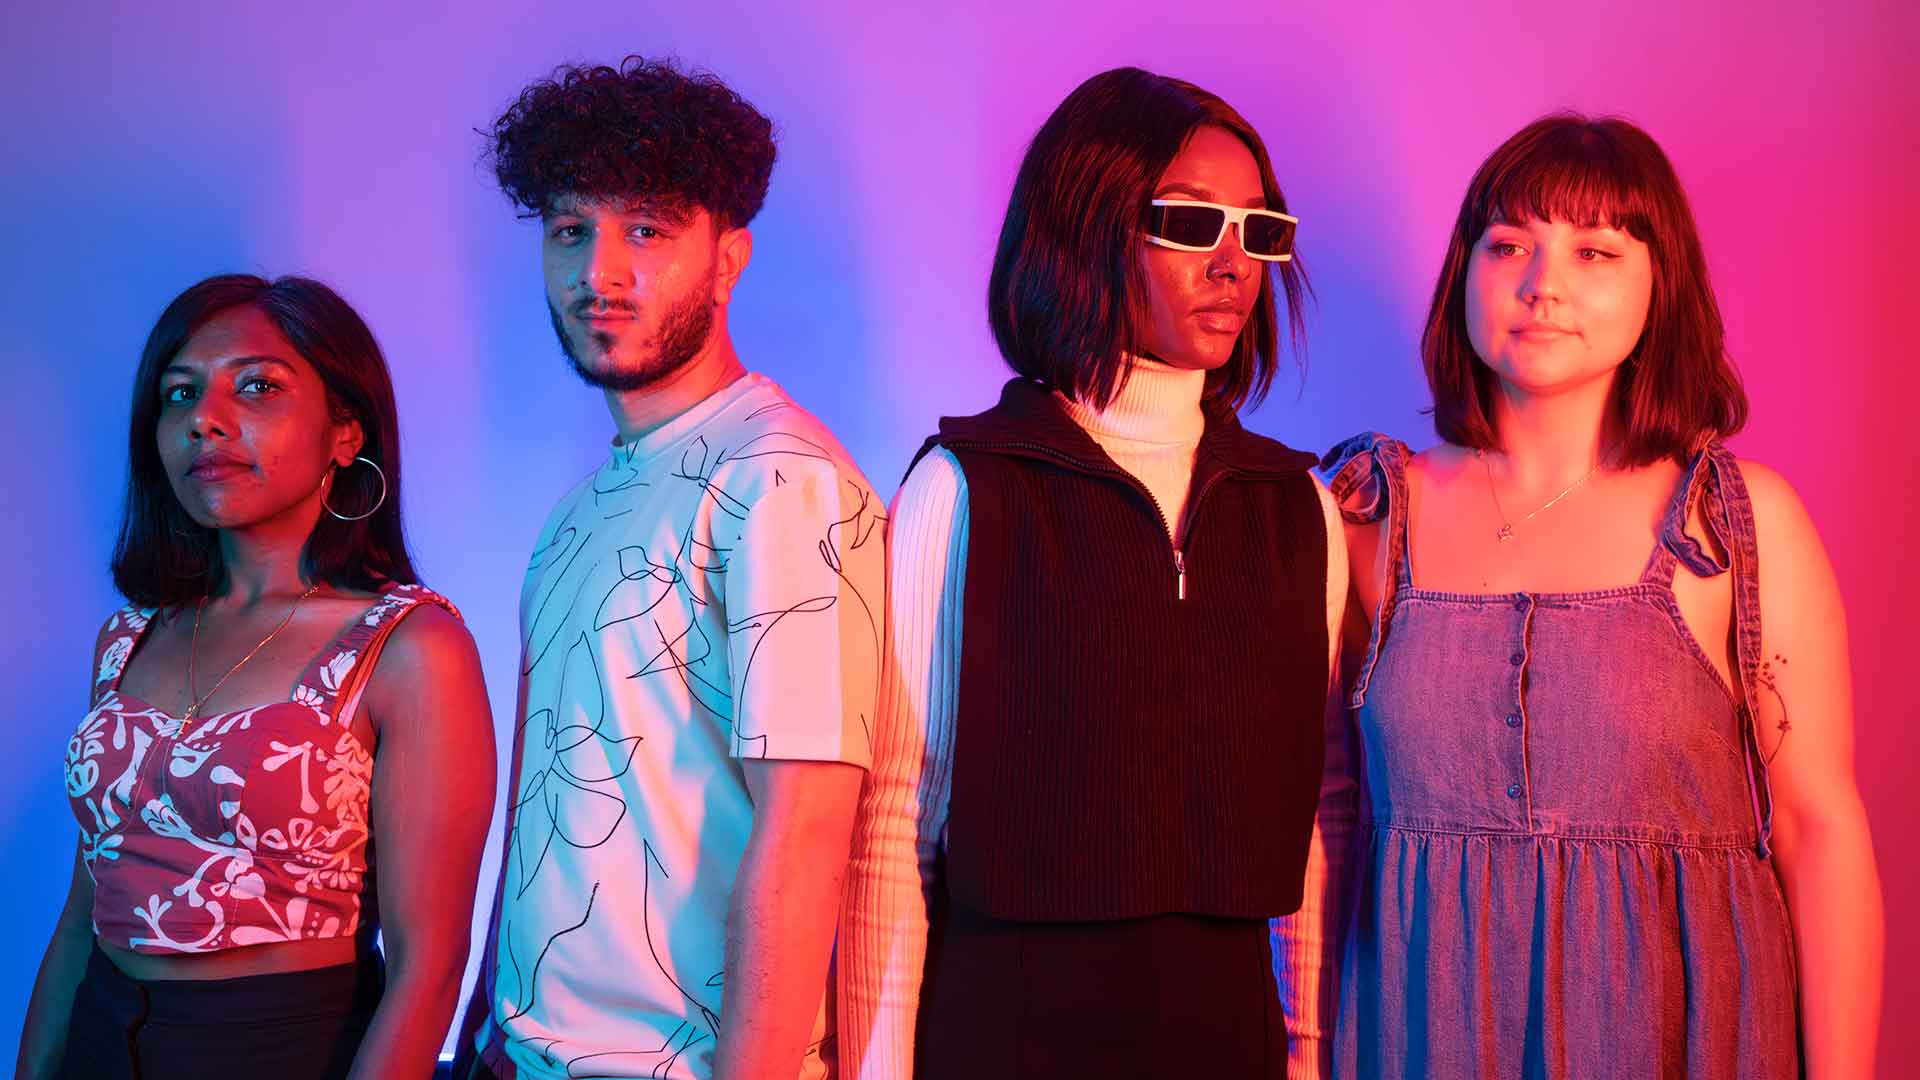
(1099, 741)
(288, 747)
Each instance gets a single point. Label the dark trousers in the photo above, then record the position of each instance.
(1163, 996)
(295, 1025)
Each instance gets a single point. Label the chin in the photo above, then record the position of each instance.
(1543, 379)
(1211, 359)
(1195, 357)
(220, 517)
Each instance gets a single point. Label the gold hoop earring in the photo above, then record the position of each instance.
(377, 503)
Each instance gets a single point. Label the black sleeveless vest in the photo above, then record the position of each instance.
(1139, 728)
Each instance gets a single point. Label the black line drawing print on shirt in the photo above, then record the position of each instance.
(572, 791)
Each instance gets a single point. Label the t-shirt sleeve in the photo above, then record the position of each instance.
(805, 593)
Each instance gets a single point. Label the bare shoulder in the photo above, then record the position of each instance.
(1782, 526)
(1798, 585)
(428, 670)
(428, 653)
(1439, 469)
(428, 638)
(1441, 458)
(1769, 490)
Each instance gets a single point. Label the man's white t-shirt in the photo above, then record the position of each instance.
(712, 592)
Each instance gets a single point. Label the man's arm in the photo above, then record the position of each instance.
(805, 596)
(781, 918)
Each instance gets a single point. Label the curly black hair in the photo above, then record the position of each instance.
(645, 131)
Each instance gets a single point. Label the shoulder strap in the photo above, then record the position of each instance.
(111, 649)
(331, 674)
(1713, 483)
(1672, 546)
(1675, 542)
(1729, 511)
(1367, 476)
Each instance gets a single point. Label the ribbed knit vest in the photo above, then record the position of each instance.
(1138, 728)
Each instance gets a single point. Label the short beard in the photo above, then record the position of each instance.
(683, 333)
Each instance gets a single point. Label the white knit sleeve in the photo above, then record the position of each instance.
(1337, 575)
(903, 807)
(1306, 943)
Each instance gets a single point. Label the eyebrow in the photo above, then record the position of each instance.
(663, 209)
(1204, 194)
(670, 211)
(233, 362)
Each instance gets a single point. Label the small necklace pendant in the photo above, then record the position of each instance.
(1505, 534)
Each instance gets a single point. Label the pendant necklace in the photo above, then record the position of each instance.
(1505, 532)
(193, 653)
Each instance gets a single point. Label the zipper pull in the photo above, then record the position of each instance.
(1180, 568)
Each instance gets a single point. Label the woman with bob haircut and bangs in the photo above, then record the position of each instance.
(1598, 766)
(279, 698)
(1111, 612)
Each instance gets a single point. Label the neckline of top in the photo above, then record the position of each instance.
(627, 455)
(206, 721)
(1158, 406)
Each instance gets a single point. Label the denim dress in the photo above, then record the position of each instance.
(1561, 854)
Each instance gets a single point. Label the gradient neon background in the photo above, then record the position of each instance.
(149, 145)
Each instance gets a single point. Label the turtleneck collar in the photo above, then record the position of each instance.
(1158, 404)
(1031, 421)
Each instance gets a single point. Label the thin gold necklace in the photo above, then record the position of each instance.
(1505, 532)
(193, 653)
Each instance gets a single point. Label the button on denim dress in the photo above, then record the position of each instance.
(1561, 858)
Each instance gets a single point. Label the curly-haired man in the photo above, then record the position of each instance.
(698, 625)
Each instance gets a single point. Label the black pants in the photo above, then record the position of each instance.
(296, 1025)
(1165, 996)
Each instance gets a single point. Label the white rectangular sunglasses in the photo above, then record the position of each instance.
(1189, 225)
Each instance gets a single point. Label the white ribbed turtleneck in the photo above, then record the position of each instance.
(1151, 429)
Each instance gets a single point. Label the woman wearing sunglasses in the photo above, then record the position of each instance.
(1607, 819)
(289, 745)
(1099, 742)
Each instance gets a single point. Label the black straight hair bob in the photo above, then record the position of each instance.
(164, 558)
(1068, 293)
(1677, 388)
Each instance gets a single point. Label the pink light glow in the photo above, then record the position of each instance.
(153, 145)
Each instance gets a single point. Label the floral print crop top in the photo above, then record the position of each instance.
(249, 827)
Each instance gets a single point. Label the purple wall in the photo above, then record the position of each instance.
(153, 144)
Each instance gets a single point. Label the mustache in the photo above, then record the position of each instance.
(600, 305)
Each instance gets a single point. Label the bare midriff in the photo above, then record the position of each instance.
(233, 963)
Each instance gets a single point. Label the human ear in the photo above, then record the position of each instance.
(347, 441)
(732, 249)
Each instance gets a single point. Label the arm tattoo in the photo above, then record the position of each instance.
(1769, 681)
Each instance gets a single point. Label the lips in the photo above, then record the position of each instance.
(595, 315)
(216, 466)
(1224, 318)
